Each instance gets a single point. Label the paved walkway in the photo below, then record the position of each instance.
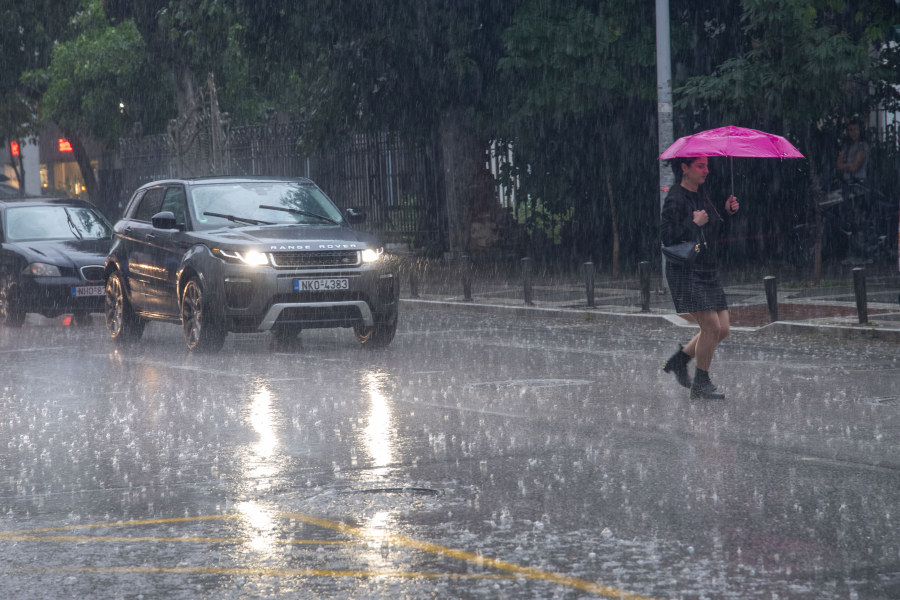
(828, 309)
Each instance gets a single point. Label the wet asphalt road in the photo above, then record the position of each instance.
(477, 457)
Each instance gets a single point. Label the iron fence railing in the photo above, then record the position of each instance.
(397, 184)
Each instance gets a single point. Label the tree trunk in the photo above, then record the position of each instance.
(462, 157)
(815, 195)
(612, 208)
(92, 188)
(184, 90)
(20, 171)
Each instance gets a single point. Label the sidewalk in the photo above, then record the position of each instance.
(828, 310)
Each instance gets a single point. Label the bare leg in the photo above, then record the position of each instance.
(691, 347)
(708, 338)
(724, 324)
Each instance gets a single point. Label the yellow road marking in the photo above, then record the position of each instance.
(264, 572)
(398, 540)
(4, 534)
(199, 540)
(528, 572)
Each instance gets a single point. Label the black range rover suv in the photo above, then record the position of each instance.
(246, 255)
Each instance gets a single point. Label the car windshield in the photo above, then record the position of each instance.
(248, 200)
(30, 223)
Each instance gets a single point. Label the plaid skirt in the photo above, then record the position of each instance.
(695, 288)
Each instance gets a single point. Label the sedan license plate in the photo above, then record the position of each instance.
(321, 285)
(88, 290)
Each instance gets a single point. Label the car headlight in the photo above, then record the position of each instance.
(247, 257)
(372, 254)
(41, 270)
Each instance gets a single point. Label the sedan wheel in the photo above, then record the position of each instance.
(12, 313)
(201, 331)
(123, 325)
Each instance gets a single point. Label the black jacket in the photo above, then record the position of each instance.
(677, 223)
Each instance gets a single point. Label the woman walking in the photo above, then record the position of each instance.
(689, 215)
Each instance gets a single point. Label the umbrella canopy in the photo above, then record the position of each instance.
(732, 141)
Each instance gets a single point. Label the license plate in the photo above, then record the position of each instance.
(321, 285)
(88, 290)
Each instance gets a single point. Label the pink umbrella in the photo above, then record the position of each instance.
(732, 141)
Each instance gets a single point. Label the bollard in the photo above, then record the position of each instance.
(526, 279)
(414, 280)
(466, 264)
(859, 289)
(771, 285)
(589, 283)
(644, 272)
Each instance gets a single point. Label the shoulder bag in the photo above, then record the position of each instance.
(685, 253)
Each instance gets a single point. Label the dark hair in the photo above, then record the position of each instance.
(676, 163)
(860, 126)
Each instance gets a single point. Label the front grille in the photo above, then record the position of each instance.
(316, 259)
(92, 273)
(309, 315)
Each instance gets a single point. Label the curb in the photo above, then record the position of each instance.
(544, 312)
(832, 331)
(669, 320)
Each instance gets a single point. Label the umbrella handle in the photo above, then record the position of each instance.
(732, 175)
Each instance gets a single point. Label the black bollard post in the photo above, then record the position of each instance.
(526, 279)
(589, 283)
(859, 289)
(414, 279)
(644, 272)
(771, 285)
(466, 277)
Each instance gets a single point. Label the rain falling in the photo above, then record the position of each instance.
(479, 299)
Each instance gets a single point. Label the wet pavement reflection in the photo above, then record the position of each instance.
(477, 456)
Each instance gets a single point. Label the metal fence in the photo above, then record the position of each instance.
(397, 184)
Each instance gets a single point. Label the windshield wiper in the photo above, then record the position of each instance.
(297, 211)
(235, 219)
(72, 225)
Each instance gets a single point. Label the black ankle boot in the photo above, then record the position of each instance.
(677, 364)
(703, 389)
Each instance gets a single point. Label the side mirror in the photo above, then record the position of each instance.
(164, 220)
(355, 216)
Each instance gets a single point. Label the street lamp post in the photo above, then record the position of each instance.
(664, 102)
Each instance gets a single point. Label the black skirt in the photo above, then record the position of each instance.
(695, 288)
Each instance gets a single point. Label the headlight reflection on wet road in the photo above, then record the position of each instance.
(263, 462)
(378, 435)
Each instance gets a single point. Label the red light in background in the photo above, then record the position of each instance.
(14, 148)
(64, 145)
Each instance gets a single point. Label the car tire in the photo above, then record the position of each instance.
(123, 325)
(202, 331)
(12, 313)
(286, 332)
(378, 335)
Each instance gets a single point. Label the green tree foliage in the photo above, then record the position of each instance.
(188, 39)
(804, 63)
(97, 84)
(375, 66)
(27, 33)
(577, 72)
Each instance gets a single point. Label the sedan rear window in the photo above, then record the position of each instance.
(30, 223)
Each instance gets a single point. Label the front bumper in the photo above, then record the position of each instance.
(260, 298)
(53, 295)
